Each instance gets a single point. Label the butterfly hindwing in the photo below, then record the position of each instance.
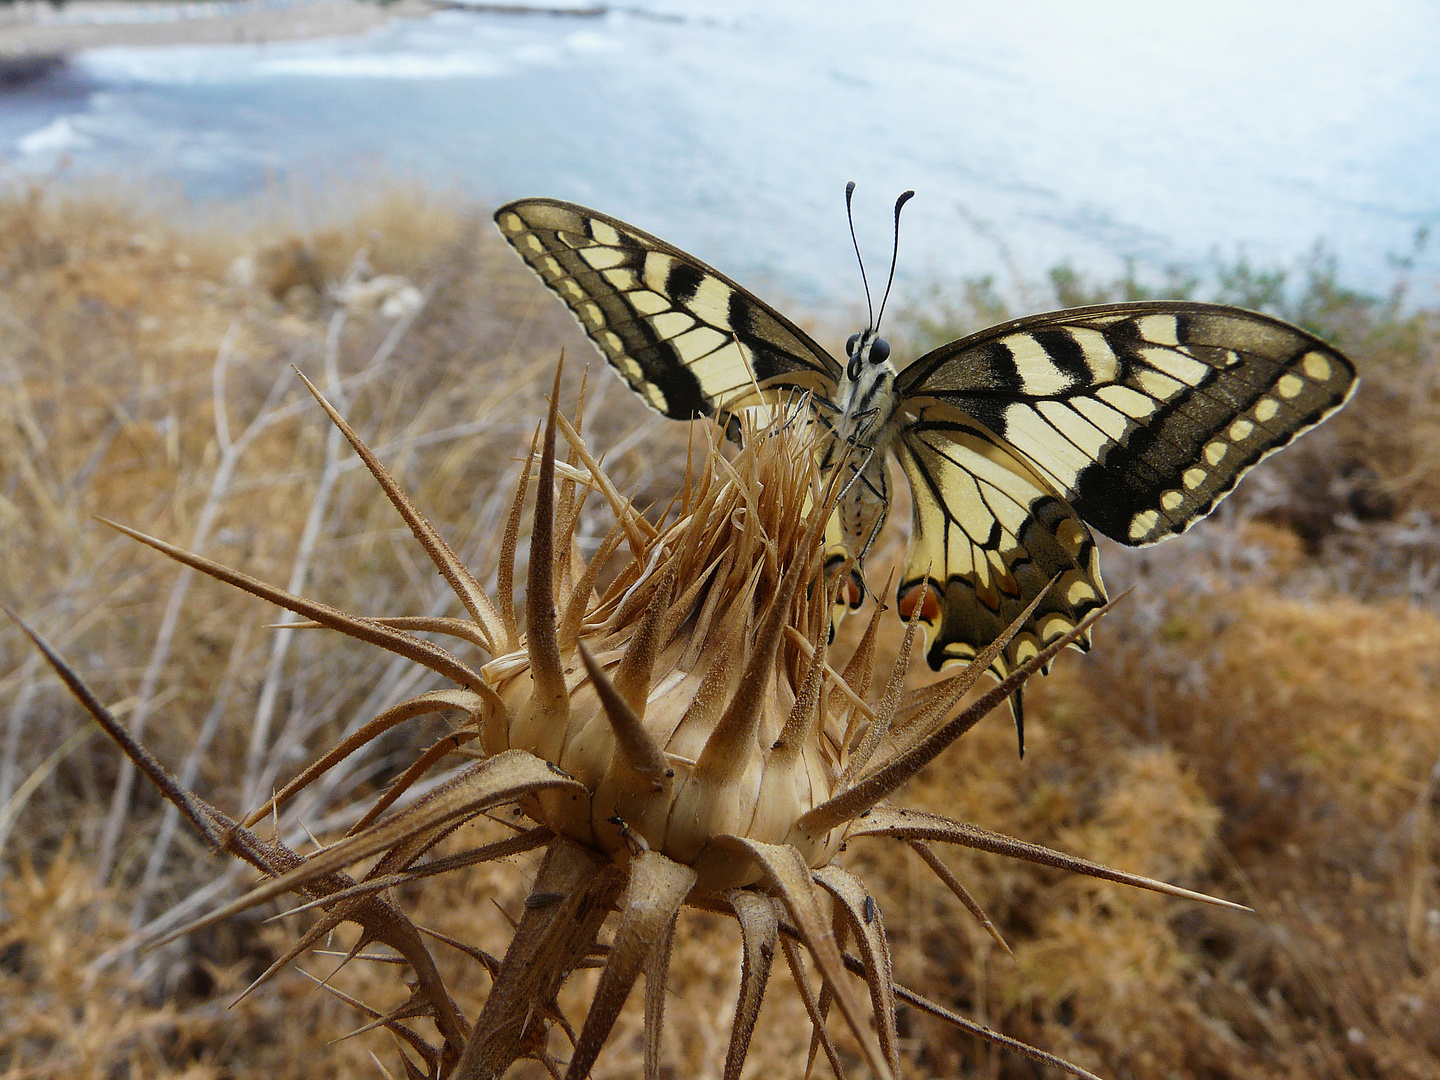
(685, 337)
(989, 535)
(1142, 415)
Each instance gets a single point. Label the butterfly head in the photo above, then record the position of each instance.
(867, 393)
(865, 350)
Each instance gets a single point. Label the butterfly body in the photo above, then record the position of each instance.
(861, 430)
(1133, 418)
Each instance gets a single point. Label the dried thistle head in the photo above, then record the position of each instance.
(676, 737)
(689, 697)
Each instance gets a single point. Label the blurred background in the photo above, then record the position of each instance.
(196, 196)
(1163, 135)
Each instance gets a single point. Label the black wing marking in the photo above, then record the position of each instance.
(685, 337)
(989, 535)
(1143, 415)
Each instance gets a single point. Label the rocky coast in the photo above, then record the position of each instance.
(37, 38)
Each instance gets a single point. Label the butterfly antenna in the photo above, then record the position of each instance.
(905, 196)
(850, 215)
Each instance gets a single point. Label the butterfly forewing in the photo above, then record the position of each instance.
(685, 337)
(989, 535)
(1142, 415)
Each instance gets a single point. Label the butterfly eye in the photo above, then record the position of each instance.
(879, 351)
(850, 345)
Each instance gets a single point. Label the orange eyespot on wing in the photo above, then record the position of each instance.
(921, 595)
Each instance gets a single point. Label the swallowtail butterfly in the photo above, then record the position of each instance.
(1135, 419)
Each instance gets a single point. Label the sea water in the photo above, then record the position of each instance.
(1035, 133)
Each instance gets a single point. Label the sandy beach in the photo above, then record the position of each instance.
(36, 36)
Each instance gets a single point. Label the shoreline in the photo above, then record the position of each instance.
(37, 39)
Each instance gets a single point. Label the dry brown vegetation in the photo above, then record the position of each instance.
(1257, 720)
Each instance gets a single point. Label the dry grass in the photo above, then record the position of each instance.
(1259, 720)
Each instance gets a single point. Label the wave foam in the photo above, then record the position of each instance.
(55, 137)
